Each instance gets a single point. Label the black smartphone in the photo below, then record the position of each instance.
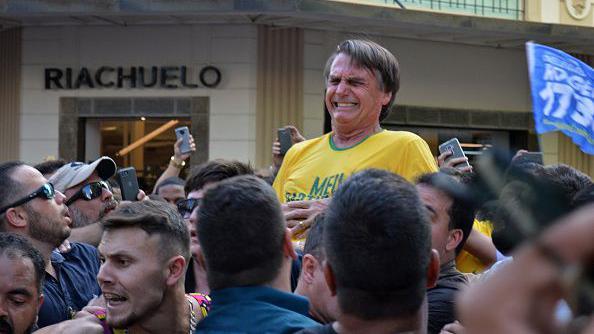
(128, 182)
(454, 146)
(284, 138)
(183, 133)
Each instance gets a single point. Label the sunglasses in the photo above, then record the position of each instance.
(89, 192)
(46, 191)
(186, 206)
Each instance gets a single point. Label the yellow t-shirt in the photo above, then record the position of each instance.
(468, 263)
(313, 169)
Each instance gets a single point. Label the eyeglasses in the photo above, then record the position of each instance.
(89, 192)
(186, 206)
(46, 191)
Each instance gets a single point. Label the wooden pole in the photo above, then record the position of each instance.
(147, 137)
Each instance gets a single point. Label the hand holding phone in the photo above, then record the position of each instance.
(453, 146)
(184, 134)
(128, 182)
(285, 140)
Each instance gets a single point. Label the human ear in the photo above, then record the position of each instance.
(16, 218)
(308, 267)
(433, 269)
(288, 248)
(175, 269)
(454, 239)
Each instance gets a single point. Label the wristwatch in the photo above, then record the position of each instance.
(176, 164)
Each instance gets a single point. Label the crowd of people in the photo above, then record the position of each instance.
(360, 230)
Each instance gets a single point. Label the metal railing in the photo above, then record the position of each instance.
(507, 9)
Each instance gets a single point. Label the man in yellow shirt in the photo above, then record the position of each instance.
(362, 79)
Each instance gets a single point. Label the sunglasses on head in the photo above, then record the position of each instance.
(186, 206)
(89, 191)
(46, 191)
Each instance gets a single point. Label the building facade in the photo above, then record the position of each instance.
(82, 79)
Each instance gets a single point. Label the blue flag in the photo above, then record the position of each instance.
(562, 94)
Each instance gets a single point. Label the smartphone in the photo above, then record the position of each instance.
(284, 138)
(534, 157)
(453, 145)
(128, 182)
(184, 133)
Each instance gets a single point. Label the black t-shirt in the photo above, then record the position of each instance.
(326, 329)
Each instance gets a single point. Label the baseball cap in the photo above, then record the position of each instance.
(76, 172)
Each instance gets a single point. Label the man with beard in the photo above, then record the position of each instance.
(30, 206)
(21, 273)
(88, 196)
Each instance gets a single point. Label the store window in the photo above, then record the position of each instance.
(149, 159)
(92, 127)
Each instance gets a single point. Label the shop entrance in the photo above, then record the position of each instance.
(151, 158)
(92, 127)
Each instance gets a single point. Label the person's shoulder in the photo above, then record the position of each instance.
(312, 142)
(82, 254)
(403, 136)
(82, 248)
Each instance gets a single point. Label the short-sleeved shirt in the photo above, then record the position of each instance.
(76, 284)
(314, 169)
(255, 309)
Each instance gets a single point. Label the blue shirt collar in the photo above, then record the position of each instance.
(56, 257)
(273, 296)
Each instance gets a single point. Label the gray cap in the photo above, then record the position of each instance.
(74, 173)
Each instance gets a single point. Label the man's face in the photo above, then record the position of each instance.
(172, 193)
(438, 204)
(353, 95)
(132, 275)
(48, 220)
(191, 222)
(19, 297)
(322, 302)
(88, 212)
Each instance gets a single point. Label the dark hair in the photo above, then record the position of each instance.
(215, 171)
(154, 217)
(378, 244)
(375, 58)
(10, 189)
(315, 237)
(534, 197)
(174, 180)
(583, 197)
(570, 180)
(50, 166)
(241, 230)
(13, 245)
(461, 212)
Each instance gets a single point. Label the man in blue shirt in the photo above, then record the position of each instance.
(247, 252)
(30, 206)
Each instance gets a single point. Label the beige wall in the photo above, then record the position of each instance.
(10, 86)
(558, 148)
(280, 86)
(556, 11)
